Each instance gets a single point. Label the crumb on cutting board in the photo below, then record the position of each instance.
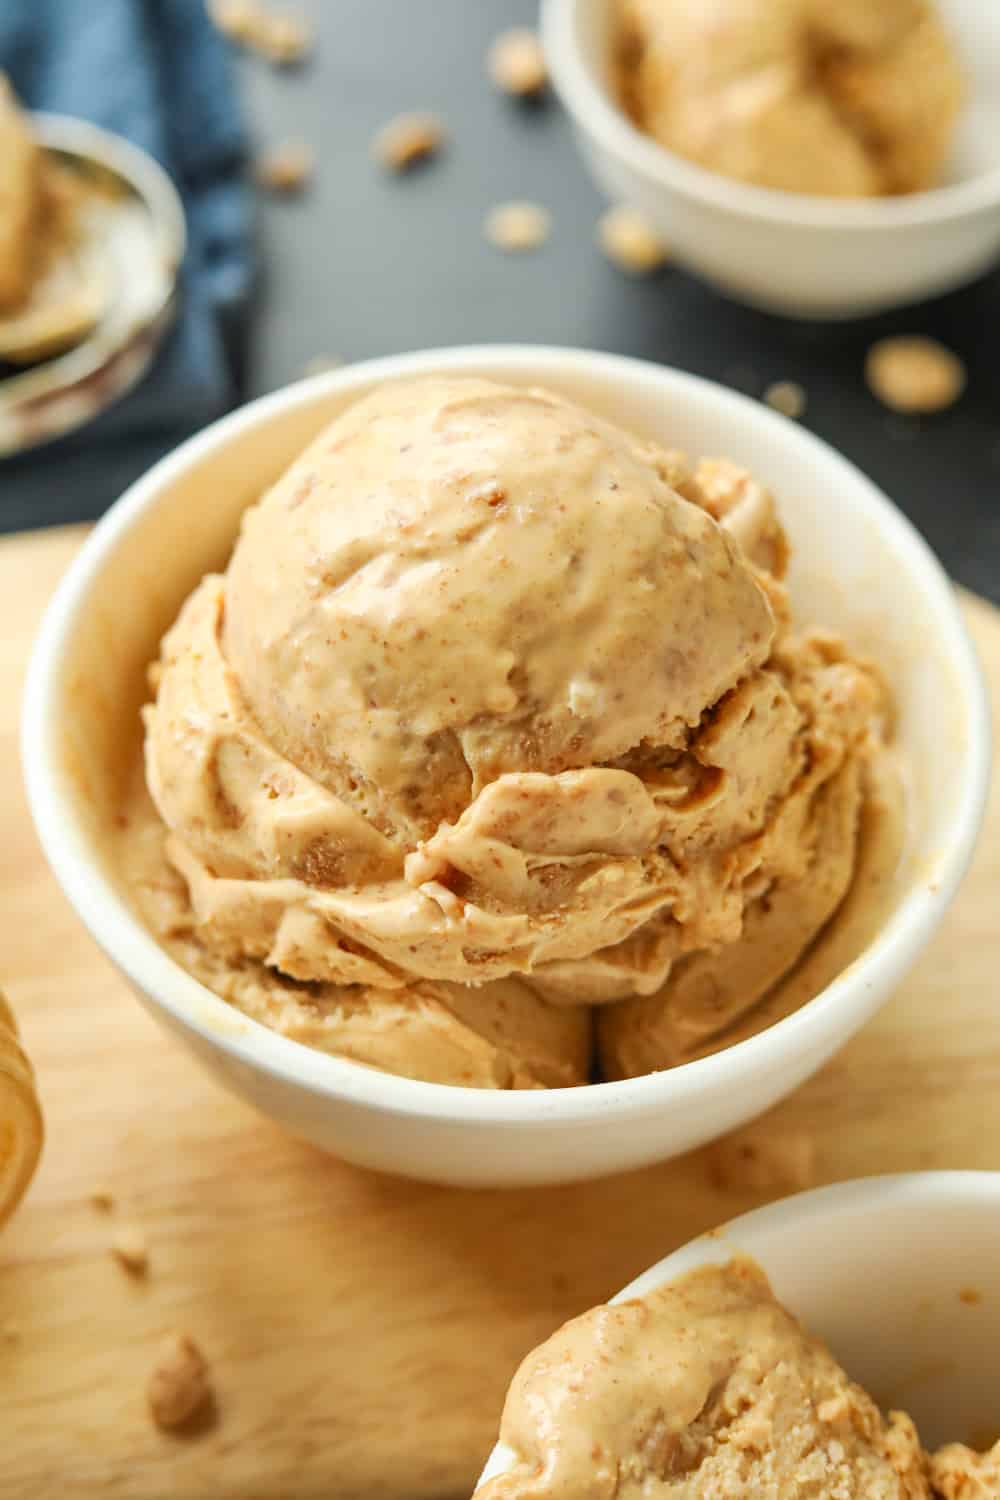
(762, 1161)
(130, 1249)
(178, 1386)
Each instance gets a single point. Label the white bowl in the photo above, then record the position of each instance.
(878, 1269)
(789, 252)
(860, 565)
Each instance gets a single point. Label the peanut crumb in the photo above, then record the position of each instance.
(408, 139)
(131, 1251)
(970, 1295)
(518, 226)
(103, 1198)
(627, 240)
(787, 397)
(286, 168)
(914, 374)
(234, 18)
(284, 40)
(178, 1386)
(281, 39)
(516, 63)
(755, 1162)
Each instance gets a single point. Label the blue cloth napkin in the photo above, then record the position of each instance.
(156, 72)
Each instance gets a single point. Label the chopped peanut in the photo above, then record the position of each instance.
(408, 139)
(914, 374)
(516, 63)
(178, 1385)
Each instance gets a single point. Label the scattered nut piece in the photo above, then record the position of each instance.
(787, 397)
(518, 226)
(281, 39)
(130, 1249)
(627, 239)
(516, 63)
(321, 363)
(103, 1198)
(749, 1163)
(408, 139)
(285, 168)
(234, 18)
(914, 374)
(178, 1386)
(970, 1295)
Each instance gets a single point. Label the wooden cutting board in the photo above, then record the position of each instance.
(362, 1330)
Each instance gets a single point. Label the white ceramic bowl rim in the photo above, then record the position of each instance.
(933, 1191)
(118, 930)
(591, 107)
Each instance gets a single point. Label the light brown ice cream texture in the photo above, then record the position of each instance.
(843, 99)
(496, 716)
(20, 199)
(709, 1389)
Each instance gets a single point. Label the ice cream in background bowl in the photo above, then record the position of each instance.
(844, 1342)
(846, 101)
(442, 771)
(816, 160)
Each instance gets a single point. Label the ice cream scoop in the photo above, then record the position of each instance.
(498, 705)
(844, 100)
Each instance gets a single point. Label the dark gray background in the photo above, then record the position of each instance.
(366, 263)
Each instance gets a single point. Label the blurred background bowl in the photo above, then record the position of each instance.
(858, 566)
(135, 234)
(899, 1275)
(794, 253)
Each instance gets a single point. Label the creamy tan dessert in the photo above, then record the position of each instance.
(22, 1129)
(957, 1473)
(49, 299)
(496, 715)
(709, 1389)
(20, 200)
(849, 99)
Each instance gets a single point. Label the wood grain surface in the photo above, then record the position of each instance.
(361, 1331)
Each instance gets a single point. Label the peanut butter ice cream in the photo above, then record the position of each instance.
(20, 200)
(497, 715)
(845, 100)
(709, 1388)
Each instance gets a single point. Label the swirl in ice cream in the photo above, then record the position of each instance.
(496, 715)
